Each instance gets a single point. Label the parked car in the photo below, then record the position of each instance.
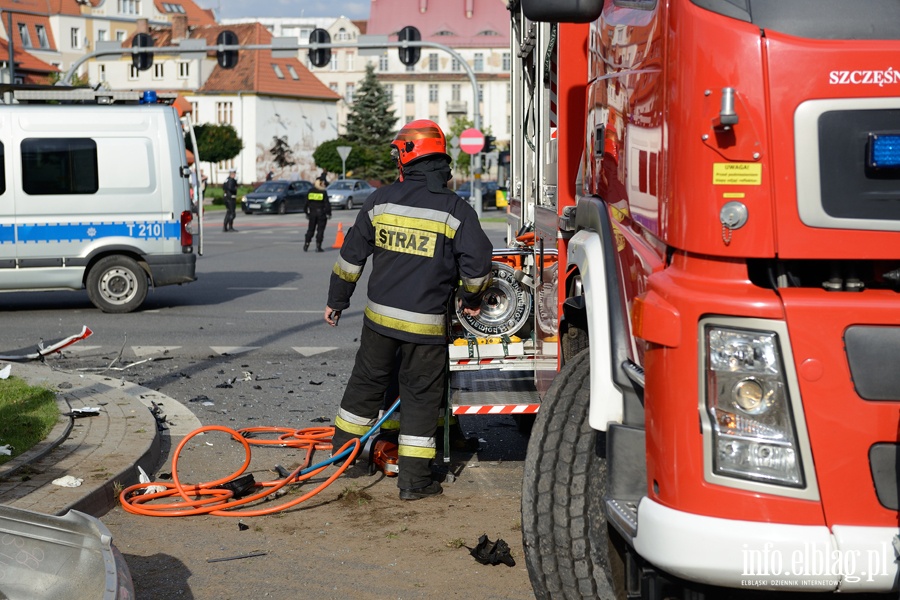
(348, 193)
(488, 193)
(277, 196)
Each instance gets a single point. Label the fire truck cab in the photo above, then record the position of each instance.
(720, 180)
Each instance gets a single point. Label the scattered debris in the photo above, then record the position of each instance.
(242, 526)
(46, 348)
(320, 420)
(87, 411)
(68, 481)
(143, 478)
(311, 382)
(208, 403)
(239, 556)
(492, 553)
(4, 373)
(6, 450)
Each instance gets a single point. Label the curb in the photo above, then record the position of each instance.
(104, 451)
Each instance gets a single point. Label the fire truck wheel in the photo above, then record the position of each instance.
(570, 550)
(117, 284)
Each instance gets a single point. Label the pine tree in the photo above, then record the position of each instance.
(371, 126)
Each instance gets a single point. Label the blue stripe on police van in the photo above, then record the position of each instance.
(76, 232)
(7, 234)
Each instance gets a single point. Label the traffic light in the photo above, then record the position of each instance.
(321, 56)
(488, 144)
(409, 56)
(227, 59)
(144, 60)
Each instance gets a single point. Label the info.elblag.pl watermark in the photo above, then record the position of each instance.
(814, 565)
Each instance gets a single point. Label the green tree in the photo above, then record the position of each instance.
(371, 126)
(215, 143)
(327, 157)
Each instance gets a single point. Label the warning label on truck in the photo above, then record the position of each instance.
(737, 174)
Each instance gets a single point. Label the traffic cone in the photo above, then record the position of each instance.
(339, 238)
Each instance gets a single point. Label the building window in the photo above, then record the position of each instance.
(351, 92)
(333, 86)
(455, 65)
(133, 72)
(43, 40)
(433, 62)
(432, 92)
(59, 166)
(342, 35)
(184, 70)
(383, 62)
(101, 72)
(195, 112)
(389, 92)
(350, 57)
(75, 38)
(479, 62)
(101, 35)
(278, 72)
(506, 61)
(158, 71)
(23, 33)
(334, 61)
(410, 92)
(455, 92)
(293, 72)
(226, 165)
(481, 92)
(129, 7)
(410, 68)
(120, 35)
(223, 113)
(508, 93)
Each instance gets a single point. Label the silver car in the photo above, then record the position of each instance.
(348, 193)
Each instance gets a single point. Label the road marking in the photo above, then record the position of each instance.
(151, 350)
(287, 289)
(310, 351)
(232, 349)
(304, 312)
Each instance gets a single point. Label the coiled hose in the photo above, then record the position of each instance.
(211, 498)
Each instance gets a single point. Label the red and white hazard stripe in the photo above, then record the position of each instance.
(489, 361)
(496, 409)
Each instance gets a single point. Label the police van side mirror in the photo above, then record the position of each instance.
(185, 171)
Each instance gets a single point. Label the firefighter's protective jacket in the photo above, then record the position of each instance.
(424, 244)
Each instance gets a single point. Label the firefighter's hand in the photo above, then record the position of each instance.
(332, 316)
(472, 312)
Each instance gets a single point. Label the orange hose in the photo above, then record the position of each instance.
(209, 498)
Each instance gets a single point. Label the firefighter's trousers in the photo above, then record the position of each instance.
(422, 378)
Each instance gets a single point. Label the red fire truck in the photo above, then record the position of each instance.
(720, 181)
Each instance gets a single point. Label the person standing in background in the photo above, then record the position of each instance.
(230, 190)
(318, 211)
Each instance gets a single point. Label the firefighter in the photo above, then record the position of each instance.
(424, 240)
(318, 211)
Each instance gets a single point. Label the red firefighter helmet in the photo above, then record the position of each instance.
(418, 139)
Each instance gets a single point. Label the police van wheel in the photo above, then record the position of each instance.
(570, 550)
(117, 284)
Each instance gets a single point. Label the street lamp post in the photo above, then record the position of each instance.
(344, 152)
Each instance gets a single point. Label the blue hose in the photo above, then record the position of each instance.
(362, 441)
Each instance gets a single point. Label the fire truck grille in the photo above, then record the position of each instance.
(872, 355)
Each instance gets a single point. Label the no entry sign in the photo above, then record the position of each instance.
(471, 141)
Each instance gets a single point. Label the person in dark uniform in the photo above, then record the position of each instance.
(318, 211)
(229, 188)
(424, 240)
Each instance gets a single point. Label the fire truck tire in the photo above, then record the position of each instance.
(570, 551)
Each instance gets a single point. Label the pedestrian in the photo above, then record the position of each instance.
(270, 175)
(318, 211)
(230, 191)
(424, 240)
(203, 181)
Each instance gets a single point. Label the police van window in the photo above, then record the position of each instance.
(59, 166)
(2, 170)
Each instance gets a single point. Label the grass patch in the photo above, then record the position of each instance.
(27, 415)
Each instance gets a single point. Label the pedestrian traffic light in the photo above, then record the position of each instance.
(410, 56)
(320, 56)
(488, 144)
(144, 60)
(227, 59)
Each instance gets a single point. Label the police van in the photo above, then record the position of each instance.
(94, 194)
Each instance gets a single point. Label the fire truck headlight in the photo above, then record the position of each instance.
(747, 399)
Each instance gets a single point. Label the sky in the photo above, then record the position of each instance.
(232, 9)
